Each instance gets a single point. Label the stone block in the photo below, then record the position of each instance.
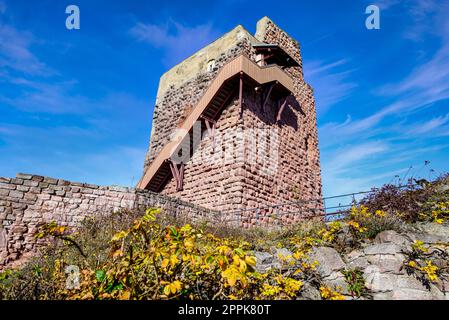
(16, 194)
(329, 260)
(23, 188)
(383, 248)
(24, 176)
(391, 236)
(37, 178)
(7, 186)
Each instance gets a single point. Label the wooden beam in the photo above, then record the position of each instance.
(268, 96)
(281, 109)
(178, 174)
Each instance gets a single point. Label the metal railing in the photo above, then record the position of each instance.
(328, 208)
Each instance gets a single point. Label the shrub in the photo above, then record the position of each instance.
(151, 259)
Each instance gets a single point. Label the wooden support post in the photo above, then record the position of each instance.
(281, 109)
(268, 96)
(178, 174)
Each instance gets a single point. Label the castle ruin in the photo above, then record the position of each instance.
(234, 126)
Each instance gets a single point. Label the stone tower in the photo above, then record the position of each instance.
(234, 126)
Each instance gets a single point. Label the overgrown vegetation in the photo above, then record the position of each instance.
(135, 255)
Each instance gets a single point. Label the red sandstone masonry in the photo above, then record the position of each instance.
(242, 184)
(28, 201)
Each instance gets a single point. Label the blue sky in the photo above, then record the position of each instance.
(78, 104)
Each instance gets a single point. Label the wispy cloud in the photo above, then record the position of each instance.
(178, 41)
(437, 126)
(2, 7)
(15, 52)
(347, 157)
(330, 80)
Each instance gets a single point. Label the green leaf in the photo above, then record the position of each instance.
(100, 275)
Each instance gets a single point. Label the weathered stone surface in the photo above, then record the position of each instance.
(391, 236)
(31, 200)
(435, 229)
(427, 238)
(265, 261)
(329, 260)
(383, 248)
(411, 294)
(358, 263)
(309, 292)
(377, 281)
(24, 176)
(387, 262)
(336, 280)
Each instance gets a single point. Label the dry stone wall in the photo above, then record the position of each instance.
(381, 262)
(28, 201)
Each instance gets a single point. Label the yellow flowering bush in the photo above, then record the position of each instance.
(422, 262)
(154, 260)
(436, 211)
(365, 224)
(329, 294)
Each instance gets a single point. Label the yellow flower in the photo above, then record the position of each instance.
(418, 245)
(431, 270)
(380, 213)
(173, 287)
(328, 294)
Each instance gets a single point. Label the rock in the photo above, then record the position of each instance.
(382, 296)
(2, 239)
(24, 176)
(411, 294)
(427, 238)
(263, 257)
(337, 281)
(265, 261)
(283, 255)
(329, 260)
(383, 248)
(388, 262)
(354, 255)
(359, 263)
(435, 229)
(377, 281)
(309, 292)
(390, 236)
(356, 260)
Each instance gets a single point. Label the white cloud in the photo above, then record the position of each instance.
(331, 84)
(347, 157)
(438, 126)
(177, 40)
(15, 52)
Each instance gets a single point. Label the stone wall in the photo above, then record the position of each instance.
(381, 262)
(28, 201)
(175, 101)
(248, 178)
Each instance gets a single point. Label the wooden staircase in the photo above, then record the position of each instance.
(223, 88)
